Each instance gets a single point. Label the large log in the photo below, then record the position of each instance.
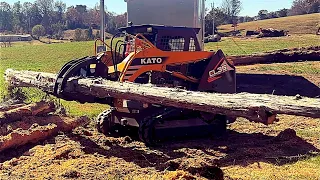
(279, 56)
(10, 104)
(9, 107)
(254, 107)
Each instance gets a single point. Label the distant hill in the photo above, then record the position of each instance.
(302, 24)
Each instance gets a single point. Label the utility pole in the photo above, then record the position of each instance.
(202, 21)
(102, 25)
(213, 16)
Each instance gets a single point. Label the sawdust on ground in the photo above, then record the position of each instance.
(249, 147)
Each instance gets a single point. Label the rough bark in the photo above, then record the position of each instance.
(26, 122)
(280, 56)
(254, 107)
(16, 114)
(37, 133)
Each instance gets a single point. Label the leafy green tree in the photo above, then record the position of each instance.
(38, 31)
(77, 34)
(5, 17)
(35, 17)
(90, 33)
(220, 18)
(263, 14)
(85, 36)
(45, 8)
(283, 12)
(17, 17)
(57, 30)
(272, 15)
(27, 15)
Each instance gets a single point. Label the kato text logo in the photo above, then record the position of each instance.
(155, 60)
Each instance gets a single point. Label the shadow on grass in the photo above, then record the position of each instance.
(277, 84)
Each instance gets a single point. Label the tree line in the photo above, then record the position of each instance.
(299, 7)
(229, 12)
(53, 17)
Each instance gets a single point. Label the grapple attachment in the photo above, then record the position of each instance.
(84, 67)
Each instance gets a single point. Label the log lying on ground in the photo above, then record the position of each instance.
(16, 114)
(254, 107)
(280, 56)
(9, 107)
(26, 122)
(10, 104)
(37, 133)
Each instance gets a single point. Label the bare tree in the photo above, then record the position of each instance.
(60, 8)
(232, 9)
(304, 7)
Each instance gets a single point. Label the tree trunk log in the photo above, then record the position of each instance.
(9, 107)
(37, 133)
(16, 114)
(254, 107)
(280, 56)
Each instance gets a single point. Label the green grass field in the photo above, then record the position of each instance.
(302, 24)
(49, 58)
(239, 46)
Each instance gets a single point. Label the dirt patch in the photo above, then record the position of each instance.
(87, 154)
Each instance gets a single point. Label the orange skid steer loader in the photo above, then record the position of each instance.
(163, 56)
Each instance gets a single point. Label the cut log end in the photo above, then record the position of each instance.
(39, 108)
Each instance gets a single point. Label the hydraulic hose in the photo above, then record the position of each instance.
(113, 54)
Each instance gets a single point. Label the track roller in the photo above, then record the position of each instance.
(105, 123)
(147, 130)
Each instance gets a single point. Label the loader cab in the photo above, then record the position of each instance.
(166, 38)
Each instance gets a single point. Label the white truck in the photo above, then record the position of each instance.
(187, 13)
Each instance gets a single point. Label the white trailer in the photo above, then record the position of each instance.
(188, 13)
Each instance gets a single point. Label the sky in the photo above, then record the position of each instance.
(249, 7)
